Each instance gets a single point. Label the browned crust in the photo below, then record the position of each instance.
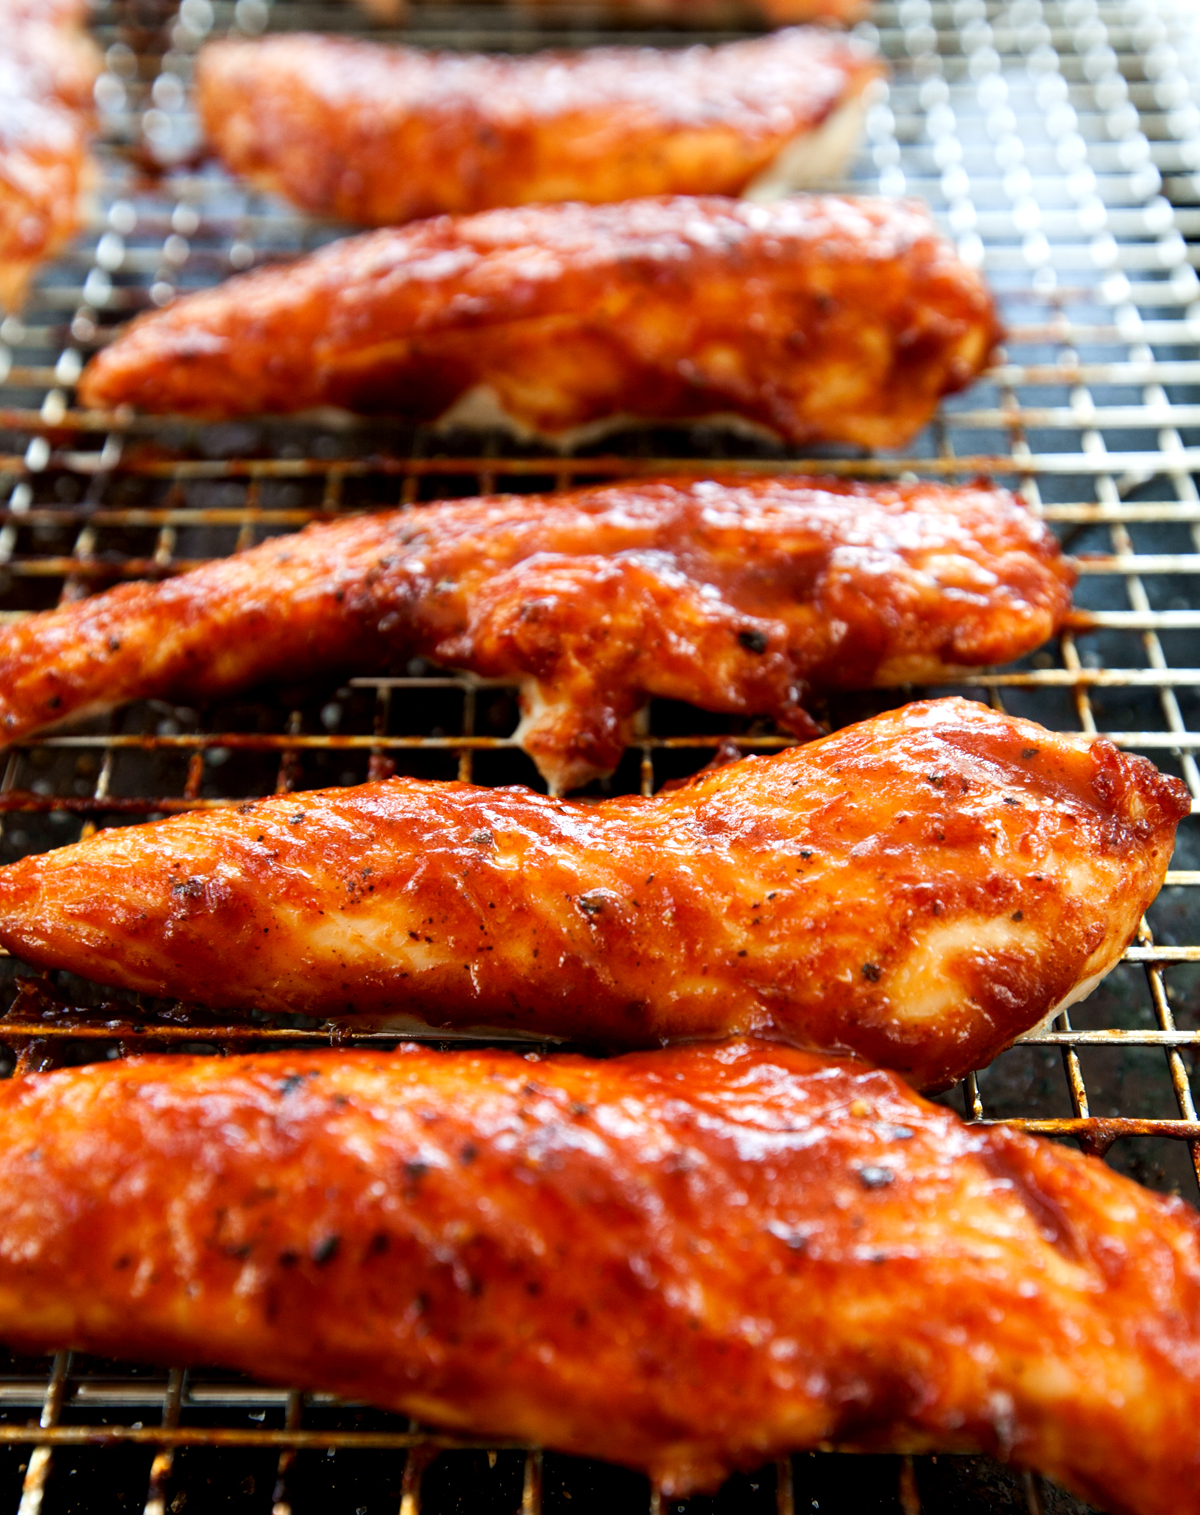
(919, 889)
(380, 135)
(687, 1261)
(739, 595)
(812, 317)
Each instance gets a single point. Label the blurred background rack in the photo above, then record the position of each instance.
(1059, 142)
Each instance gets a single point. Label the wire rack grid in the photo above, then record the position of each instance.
(1059, 142)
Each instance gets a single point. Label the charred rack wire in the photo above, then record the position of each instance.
(1059, 142)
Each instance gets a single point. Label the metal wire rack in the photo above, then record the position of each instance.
(1059, 141)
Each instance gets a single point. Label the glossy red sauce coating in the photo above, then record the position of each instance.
(48, 67)
(738, 595)
(811, 317)
(379, 134)
(687, 1261)
(919, 889)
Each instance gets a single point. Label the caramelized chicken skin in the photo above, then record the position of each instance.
(735, 595)
(379, 135)
(920, 888)
(815, 317)
(48, 67)
(687, 1261)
